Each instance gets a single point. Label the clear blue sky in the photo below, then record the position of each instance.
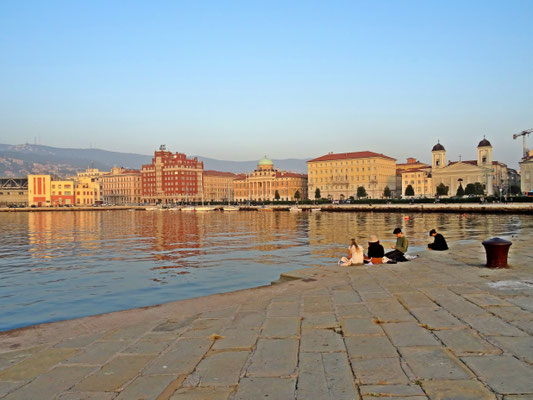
(237, 80)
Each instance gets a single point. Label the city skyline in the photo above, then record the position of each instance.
(236, 81)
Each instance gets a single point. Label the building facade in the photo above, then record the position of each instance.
(339, 175)
(62, 193)
(526, 173)
(414, 173)
(87, 191)
(13, 191)
(121, 186)
(218, 186)
(172, 178)
(491, 174)
(264, 182)
(39, 190)
(420, 180)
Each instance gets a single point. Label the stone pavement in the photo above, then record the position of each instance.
(438, 327)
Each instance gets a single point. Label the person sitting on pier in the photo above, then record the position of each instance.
(355, 253)
(375, 251)
(398, 254)
(439, 242)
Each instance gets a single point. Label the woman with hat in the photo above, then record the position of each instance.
(375, 251)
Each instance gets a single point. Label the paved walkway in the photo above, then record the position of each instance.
(430, 328)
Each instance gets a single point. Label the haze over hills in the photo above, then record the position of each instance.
(21, 160)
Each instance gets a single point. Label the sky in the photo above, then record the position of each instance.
(288, 79)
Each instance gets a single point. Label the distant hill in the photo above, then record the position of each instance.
(24, 159)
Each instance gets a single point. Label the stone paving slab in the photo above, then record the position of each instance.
(504, 374)
(457, 390)
(432, 327)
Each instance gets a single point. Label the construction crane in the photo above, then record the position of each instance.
(523, 134)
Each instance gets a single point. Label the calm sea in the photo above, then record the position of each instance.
(62, 265)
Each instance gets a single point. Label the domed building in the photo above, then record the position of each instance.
(491, 174)
(265, 181)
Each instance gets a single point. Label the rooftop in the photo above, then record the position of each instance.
(347, 156)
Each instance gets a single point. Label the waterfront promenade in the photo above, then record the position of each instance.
(438, 327)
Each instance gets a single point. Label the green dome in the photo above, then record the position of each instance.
(265, 161)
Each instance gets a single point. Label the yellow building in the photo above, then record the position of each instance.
(218, 186)
(94, 173)
(39, 193)
(87, 191)
(339, 175)
(121, 186)
(420, 180)
(265, 181)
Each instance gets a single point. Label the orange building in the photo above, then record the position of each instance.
(218, 186)
(265, 181)
(121, 186)
(172, 178)
(61, 193)
(39, 190)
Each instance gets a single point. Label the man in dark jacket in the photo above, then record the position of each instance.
(439, 242)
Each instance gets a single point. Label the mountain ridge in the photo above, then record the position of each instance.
(23, 159)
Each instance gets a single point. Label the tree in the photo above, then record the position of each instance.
(361, 192)
(470, 189)
(297, 195)
(460, 191)
(276, 195)
(442, 189)
(317, 193)
(478, 189)
(409, 191)
(386, 192)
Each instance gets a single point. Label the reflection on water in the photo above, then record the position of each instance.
(60, 265)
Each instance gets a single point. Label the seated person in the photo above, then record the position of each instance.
(375, 251)
(355, 252)
(439, 242)
(400, 248)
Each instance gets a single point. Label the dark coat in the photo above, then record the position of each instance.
(375, 250)
(439, 243)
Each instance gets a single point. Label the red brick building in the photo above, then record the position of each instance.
(172, 178)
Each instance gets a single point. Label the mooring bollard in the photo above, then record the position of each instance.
(497, 250)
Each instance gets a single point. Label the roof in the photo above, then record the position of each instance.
(409, 171)
(211, 172)
(285, 174)
(438, 147)
(347, 156)
(265, 161)
(484, 143)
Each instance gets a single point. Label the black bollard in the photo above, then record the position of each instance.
(497, 250)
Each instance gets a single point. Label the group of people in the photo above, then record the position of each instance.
(376, 253)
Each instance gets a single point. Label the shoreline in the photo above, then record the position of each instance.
(325, 333)
(498, 208)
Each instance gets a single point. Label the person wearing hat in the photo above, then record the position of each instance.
(397, 254)
(375, 251)
(439, 242)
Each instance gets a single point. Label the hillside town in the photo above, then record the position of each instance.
(175, 178)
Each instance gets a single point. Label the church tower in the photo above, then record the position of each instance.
(438, 156)
(484, 160)
(484, 154)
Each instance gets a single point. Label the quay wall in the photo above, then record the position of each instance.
(498, 208)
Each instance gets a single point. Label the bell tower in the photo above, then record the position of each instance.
(484, 153)
(438, 156)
